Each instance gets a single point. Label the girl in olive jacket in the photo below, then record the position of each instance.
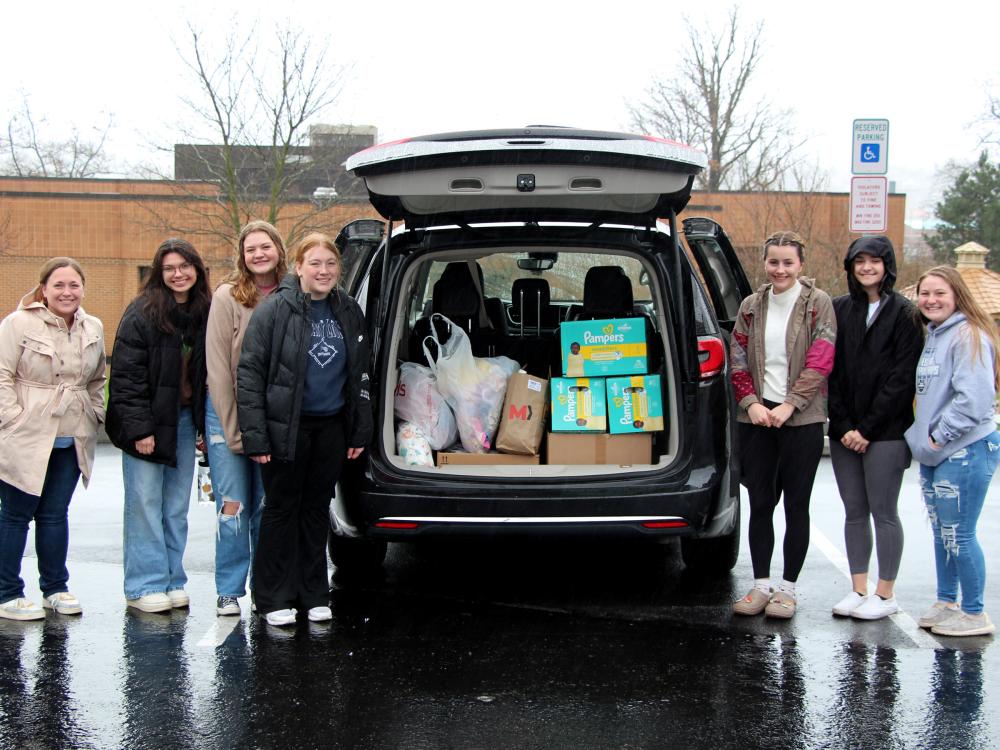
(781, 354)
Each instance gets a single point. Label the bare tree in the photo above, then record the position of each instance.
(707, 103)
(27, 153)
(248, 130)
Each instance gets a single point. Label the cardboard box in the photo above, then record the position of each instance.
(458, 458)
(594, 348)
(635, 404)
(578, 405)
(617, 450)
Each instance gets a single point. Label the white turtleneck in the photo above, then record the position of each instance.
(779, 310)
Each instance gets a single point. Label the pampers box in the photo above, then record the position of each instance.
(595, 348)
(578, 405)
(635, 404)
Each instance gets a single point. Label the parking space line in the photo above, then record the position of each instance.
(901, 619)
(219, 632)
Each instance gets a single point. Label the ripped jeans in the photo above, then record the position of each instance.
(234, 478)
(954, 492)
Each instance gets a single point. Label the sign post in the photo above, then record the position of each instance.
(869, 195)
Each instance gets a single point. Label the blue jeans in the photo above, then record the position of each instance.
(954, 492)
(156, 507)
(235, 478)
(50, 512)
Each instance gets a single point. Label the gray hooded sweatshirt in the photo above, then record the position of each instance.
(955, 393)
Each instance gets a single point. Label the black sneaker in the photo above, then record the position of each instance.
(227, 605)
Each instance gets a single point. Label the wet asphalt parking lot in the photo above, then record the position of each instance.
(501, 645)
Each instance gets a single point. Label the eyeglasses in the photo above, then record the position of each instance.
(183, 268)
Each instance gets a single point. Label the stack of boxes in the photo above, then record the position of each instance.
(606, 408)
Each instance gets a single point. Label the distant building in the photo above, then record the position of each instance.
(315, 171)
(983, 283)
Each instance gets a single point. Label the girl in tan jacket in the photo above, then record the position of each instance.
(51, 405)
(236, 480)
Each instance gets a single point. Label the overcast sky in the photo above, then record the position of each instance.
(422, 67)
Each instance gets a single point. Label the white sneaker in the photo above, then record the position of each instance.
(178, 598)
(21, 609)
(848, 604)
(875, 608)
(281, 617)
(320, 614)
(151, 603)
(63, 603)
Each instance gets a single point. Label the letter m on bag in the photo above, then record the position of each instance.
(520, 412)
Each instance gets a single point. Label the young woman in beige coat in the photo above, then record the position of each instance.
(51, 405)
(236, 480)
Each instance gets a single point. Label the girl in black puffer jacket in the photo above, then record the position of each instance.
(304, 406)
(156, 409)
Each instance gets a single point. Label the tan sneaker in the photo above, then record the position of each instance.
(751, 604)
(21, 609)
(782, 606)
(937, 614)
(63, 603)
(965, 624)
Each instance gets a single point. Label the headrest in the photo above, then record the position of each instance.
(531, 288)
(607, 292)
(455, 294)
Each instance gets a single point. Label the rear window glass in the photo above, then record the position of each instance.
(565, 278)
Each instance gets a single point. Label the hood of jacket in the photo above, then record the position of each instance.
(877, 246)
(40, 308)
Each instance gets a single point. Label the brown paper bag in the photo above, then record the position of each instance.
(522, 422)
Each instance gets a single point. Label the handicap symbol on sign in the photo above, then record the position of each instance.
(869, 152)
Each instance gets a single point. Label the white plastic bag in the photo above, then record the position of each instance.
(412, 445)
(474, 387)
(418, 401)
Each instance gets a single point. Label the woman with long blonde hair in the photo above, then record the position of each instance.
(236, 480)
(954, 438)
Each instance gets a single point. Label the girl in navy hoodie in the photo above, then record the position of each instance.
(954, 438)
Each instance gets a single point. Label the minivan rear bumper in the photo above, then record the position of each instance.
(508, 510)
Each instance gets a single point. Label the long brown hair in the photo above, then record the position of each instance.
(975, 315)
(53, 264)
(244, 287)
(157, 300)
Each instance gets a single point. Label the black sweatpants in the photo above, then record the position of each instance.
(779, 463)
(290, 562)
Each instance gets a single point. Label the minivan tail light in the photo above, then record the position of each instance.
(711, 356)
(403, 525)
(665, 524)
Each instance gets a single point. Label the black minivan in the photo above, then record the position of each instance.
(510, 233)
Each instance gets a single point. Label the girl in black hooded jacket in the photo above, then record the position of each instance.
(879, 339)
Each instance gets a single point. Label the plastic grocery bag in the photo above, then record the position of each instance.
(412, 446)
(474, 387)
(418, 401)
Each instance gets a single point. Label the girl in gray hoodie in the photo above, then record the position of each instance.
(954, 438)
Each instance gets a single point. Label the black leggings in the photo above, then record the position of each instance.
(779, 463)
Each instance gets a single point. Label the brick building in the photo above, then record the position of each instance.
(114, 226)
